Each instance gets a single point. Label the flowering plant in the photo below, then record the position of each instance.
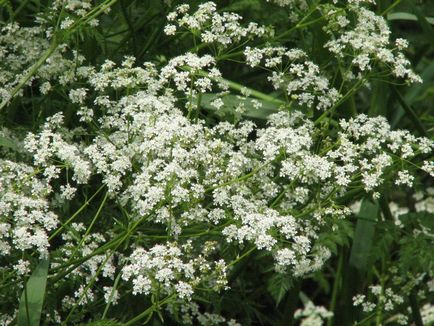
(163, 162)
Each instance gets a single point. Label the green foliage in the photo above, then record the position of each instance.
(278, 285)
(32, 299)
(364, 235)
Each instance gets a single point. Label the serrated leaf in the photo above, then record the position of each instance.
(32, 298)
(364, 235)
(278, 285)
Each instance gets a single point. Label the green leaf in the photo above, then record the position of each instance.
(104, 322)
(32, 298)
(364, 235)
(278, 285)
(232, 101)
(379, 98)
(9, 143)
(407, 16)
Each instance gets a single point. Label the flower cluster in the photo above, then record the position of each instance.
(381, 298)
(191, 315)
(212, 27)
(25, 214)
(174, 269)
(367, 40)
(298, 77)
(187, 195)
(312, 315)
(24, 46)
(49, 145)
(74, 12)
(179, 164)
(192, 75)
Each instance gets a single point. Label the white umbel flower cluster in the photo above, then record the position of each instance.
(312, 315)
(49, 145)
(300, 78)
(212, 27)
(166, 168)
(174, 268)
(21, 47)
(368, 41)
(25, 215)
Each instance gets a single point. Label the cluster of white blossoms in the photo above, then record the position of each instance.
(212, 27)
(166, 168)
(378, 146)
(275, 188)
(49, 146)
(191, 315)
(73, 11)
(366, 42)
(298, 77)
(77, 243)
(427, 314)
(312, 315)
(192, 75)
(25, 214)
(175, 268)
(381, 298)
(21, 48)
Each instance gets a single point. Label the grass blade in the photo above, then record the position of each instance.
(364, 235)
(32, 299)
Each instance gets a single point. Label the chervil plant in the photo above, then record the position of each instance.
(216, 163)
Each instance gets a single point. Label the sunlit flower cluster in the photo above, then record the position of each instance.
(212, 27)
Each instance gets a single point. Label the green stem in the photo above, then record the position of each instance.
(148, 311)
(248, 252)
(86, 203)
(417, 318)
(393, 5)
(242, 178)
(336, 286)
(98, 212)
(30, 73)
(350, 92)
(115, 285)
(409, 111)
(240, 88)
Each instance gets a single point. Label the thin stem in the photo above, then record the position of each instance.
(336, 286)
(89, 228)
(148, 311)
(23, 81)
(415, 309)
(86, 203)
(240, 88)
(393, 5)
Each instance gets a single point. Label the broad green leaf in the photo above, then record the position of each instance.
(379, 98)
(407, 16)
(9, 143)
(364, 235)
(232, 101)
(32, 298)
